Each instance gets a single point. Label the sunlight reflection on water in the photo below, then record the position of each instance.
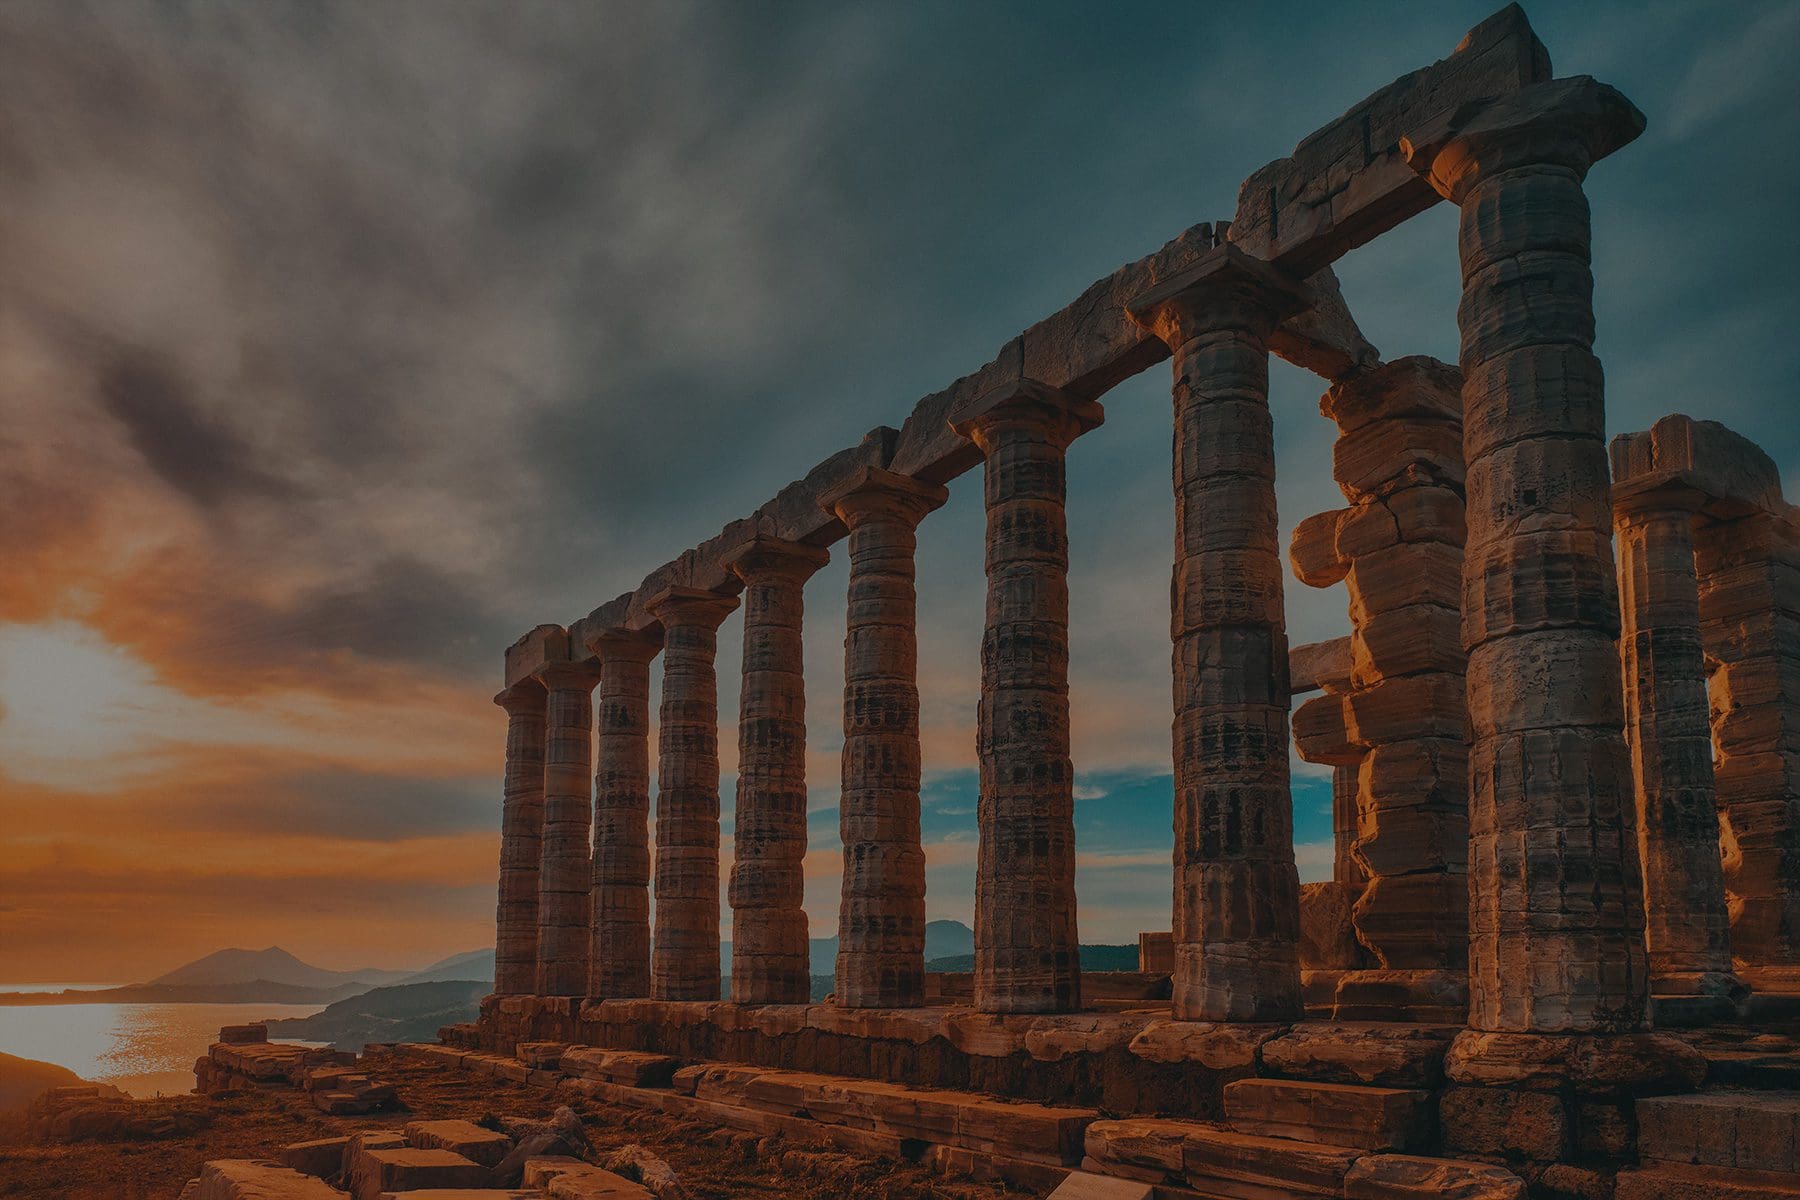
(142, 1048)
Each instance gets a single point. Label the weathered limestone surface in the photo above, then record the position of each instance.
(685, 960)
(564, 870)
(619, 955)
(1687, 931)
(881, 913)
(1350, 181)
(1236, 910)
(768, 941)
(521, 840)
(1395, 732)
(1556, 916)
(1027, 956)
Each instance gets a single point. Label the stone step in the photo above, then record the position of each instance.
(1749, 1067)
(1334, 1114)
(1750, 1130)
(1215, 1161)
(1679, 1181)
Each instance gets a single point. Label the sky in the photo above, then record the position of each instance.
(342, 342)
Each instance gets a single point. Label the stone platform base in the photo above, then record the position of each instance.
(1130, 1059)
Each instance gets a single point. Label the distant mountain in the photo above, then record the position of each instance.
(253, 991)
(1093, 958)
(273, 965)
(942, 939)
(407, 1012)
(475, 964)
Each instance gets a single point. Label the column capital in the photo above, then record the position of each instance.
(525, 696)
(872, 493)
(690, 606)
(1653, 495)
(1026, 403)
(765, 557)
(1226, 289)
(572, 673)
(1570, 123)
(618, 642)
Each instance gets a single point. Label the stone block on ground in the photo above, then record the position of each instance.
(540, 1054)
(1081, 1185)
(405, 1169)
(630, 1067)
(245, 1179)
(484, 1146)
(1369, 1118)
(1758, 1131)
(322, 1157)
(1404, 1177)
(1676, 1181)
(595, 1184)
(1387, 1055)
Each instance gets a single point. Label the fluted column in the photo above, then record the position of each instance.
(684, 963)
(563, 905)
(1687, 930)
(521, 839)
(619, 950)
(1237, 893)
(881, 912)
(1027, 952)
(770, 958)
(1556, 912)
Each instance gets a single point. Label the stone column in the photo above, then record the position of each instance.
(521, 839)
(619, 953)
(685, 962)
(1750, 624)
(1687, 932)
(1027, 954)
(1556, 915)
(1237, 893)
(769, 952)
(563, 904)
(881, 913)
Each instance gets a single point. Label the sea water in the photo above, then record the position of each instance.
(143, 1049)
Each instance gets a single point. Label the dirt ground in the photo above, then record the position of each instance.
(711, 1163)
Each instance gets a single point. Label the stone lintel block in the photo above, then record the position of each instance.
(1323, 337)
(1688, 456)
(524, 658)
(1348, 182)
(1225, 289)
(1573, 122)
(1320, 666)
(795, 514)
(1639, 1063)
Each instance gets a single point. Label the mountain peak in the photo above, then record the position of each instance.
(272, 964)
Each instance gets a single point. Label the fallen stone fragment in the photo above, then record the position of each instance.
(1404, 1177)
(638, 1164)
(244, 1179)
(484, 1146)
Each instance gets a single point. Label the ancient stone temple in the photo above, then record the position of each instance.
(1563, 727)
